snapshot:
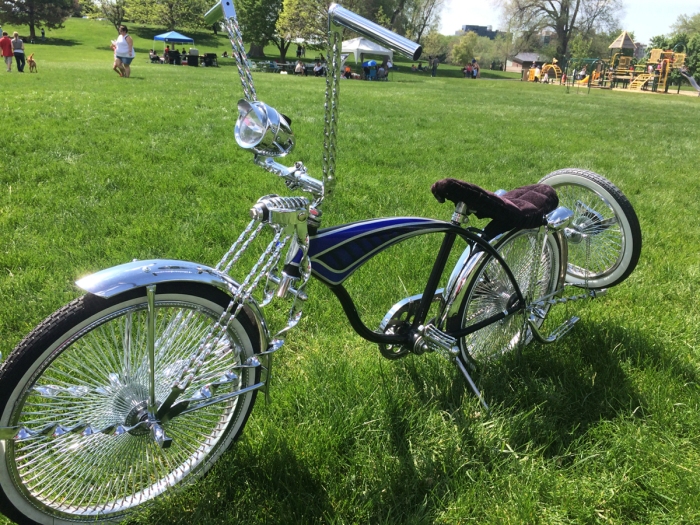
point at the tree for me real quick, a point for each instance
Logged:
(86, 8)
(114, 11)
(421, 17)
(437, 45)
(692, 60)
(565, 17)
(658, 42)
(580, 47)
(503, 46)
(258, 20)
(463, 51)
(306, 20)
(689, 25)
(170, 14)
(37, 13)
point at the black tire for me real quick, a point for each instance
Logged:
(75, 368)
(605, 249)
(490, 291)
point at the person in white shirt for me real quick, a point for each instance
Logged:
(123, 52)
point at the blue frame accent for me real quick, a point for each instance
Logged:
(338, 251)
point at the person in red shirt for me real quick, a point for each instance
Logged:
(7, 54)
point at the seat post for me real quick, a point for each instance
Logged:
(460, 215)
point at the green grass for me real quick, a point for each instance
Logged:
(601, 427)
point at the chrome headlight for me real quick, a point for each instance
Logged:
(263, 129)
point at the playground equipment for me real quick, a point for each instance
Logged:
(653, 73)
(587, 72)
(552, 69)
(684, 72)
(656, 70)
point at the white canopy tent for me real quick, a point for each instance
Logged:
(359, 46)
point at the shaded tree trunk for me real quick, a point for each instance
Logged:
(256, 51)
(283, 46)
(397, 12)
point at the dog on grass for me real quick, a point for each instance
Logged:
(32, 63)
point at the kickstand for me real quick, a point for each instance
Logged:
(463, 369)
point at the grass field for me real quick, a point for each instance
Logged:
(602, 427)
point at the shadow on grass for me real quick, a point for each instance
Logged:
(552, 394)
(249, 485)
(555, 393)
(51, 42)
(544, 400)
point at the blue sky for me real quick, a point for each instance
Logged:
(646, 18)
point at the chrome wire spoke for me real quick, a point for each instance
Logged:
(100, 380)
(596, 220)
(493, 293)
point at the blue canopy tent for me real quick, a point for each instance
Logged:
(173, 37)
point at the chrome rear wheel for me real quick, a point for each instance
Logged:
(605, 239)
(490, 292)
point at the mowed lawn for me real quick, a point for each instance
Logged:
(602, 427)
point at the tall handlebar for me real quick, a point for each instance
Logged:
(343, 17)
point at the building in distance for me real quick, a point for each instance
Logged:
(486, 31)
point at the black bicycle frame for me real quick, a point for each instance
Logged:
(337, 252)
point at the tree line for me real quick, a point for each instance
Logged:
(561, 29)
(262, 21)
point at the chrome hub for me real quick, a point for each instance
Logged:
(138, 414)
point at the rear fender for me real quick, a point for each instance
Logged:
(137, 274)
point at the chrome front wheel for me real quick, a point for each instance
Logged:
(85, 368)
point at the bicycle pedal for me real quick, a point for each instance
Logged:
(565, 327)
(557, 333)
(434, 339)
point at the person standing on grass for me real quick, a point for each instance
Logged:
(124, 52)
(43, 34)
(18, 49)
(6, 47)
(435, 66)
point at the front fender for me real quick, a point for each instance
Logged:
(137, 274)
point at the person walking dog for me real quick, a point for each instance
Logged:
(18, 49)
